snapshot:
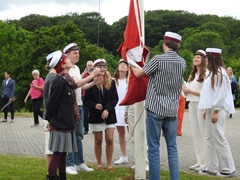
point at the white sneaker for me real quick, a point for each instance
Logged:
(83, 167)
(226, 175)
(71, 170)
(122, 160)
(193, 167)
(200, 168)
(203, 172)
(146, 168)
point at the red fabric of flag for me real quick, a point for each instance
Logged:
(137, 87)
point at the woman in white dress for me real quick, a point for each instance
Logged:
(121, 78)
(192, 92)
(217, 102)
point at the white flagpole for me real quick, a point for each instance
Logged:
(140, 151)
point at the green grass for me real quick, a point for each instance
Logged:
(30, 168)
(23, 114)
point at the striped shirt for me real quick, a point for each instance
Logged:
(165, 83)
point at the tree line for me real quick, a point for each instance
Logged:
(24, 43)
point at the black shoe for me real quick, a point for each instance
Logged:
(52, 177)
(230, 116)
(85, 132)
(62, 176)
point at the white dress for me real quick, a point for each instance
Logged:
(120, 110)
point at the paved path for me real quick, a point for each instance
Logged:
(20, 139)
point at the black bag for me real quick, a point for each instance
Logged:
(234, 87)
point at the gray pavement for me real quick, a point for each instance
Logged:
(20, 139)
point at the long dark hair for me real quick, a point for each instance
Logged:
(202, 74)
(116, 75)
(215, 63)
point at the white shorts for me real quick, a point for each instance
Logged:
(47, 134)
(101, 127)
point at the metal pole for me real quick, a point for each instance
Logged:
(99, 2)
(140, 129)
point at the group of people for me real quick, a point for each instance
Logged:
(210, 104)
(69, 98)
(64, 114)
(35, 91)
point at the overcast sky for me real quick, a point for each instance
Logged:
(113, 10)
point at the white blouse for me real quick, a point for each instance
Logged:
(195, 86)
(220, 97)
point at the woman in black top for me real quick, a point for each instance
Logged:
(62, 114)
(101, 100)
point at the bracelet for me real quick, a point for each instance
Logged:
(216, 110)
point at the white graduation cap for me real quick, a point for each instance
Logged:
(215, 51)
(172, 36)
(56, 58)
(70, 47)
(201, 53)
(50, 56)
(99, 61)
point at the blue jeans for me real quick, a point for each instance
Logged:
(77, 157)
(154, 124)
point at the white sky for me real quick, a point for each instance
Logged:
(113, 10)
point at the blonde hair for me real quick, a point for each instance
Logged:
(107, 81)
(229, 68)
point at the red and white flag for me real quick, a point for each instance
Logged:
(134, 51)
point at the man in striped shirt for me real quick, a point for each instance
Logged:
(165, 83)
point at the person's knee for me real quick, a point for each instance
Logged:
(109, 141)
(98, 141)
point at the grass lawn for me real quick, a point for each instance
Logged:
(30, 168)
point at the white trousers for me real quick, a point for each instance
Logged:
(218, 153)
(198, 131)
(137, 132)
(132, 128)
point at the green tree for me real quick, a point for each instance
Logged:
(116, 34)
(93, 25)
(188, 57)
(14, 47)
(32, 22)
(221, 29)
(203, 40)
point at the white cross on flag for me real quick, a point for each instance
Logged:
(134, 51)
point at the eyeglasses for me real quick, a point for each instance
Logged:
(34, 74)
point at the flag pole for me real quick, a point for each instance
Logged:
(140, 151)
(142, 19)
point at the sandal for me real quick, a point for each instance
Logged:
(110, 169)
(100, 168)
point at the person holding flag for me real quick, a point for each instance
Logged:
(163, 91)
